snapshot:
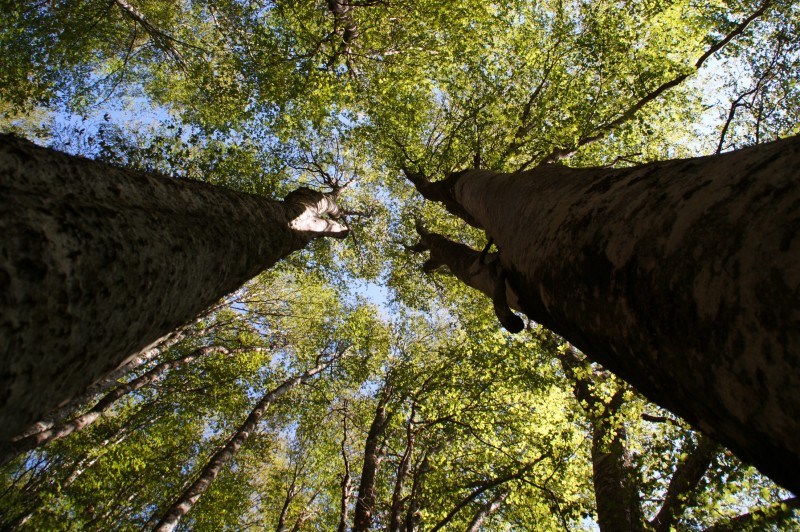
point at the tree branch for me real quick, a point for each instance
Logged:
(764, 516)
(186, 501)
(603, 130)
(684, 481)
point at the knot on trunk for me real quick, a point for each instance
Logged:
(316, 213)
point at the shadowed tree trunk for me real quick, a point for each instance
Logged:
(344, 502)
(614, 476)
(416, 499)
(687, 475)
(97, 263)
(403, 468)
(373, 455)
(680, 276)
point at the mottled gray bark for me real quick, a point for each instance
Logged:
(680, 276)
(97, 263)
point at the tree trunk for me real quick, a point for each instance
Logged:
(416, 499)
(613, 473)
(680, 276)
(398, 501)
(192, 494)
(344, 502)
(10, 450)
(365, 503)
(616, 494)
(98, 262)
(491, 506)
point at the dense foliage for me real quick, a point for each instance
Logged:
(427, 415)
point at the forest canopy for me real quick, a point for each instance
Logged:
(354, 385)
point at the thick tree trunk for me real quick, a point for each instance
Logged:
(97, 263)
(616, 496)
(681, 276)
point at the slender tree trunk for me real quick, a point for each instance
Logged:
(13, 449)
(192, 494)
(780, 512)
(344, 502)
(491, 506)
(680, 276)
(84, 463)
(365, 503)
(416, 500)
(98, 262)
(306, 514)
(398, 501)
(613, 473)
(480, 490)
(290, 495)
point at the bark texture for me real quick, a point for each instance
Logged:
(680, 276)
(97, 263)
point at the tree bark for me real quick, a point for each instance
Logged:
(192, 494)
(416, 499)
(680, 276)
(398, 501)
(615, 489)
(365, 502)
(10, 450)
(98, 262)
(344, 502)
(614, 476)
